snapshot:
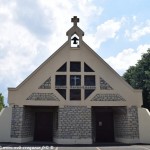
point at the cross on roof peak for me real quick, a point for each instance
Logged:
(75, 20)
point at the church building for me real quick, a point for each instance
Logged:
(74, 97)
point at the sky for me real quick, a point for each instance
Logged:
(31, 31)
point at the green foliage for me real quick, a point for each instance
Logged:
(138, 77)
(1, 101)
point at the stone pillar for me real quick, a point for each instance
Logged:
(21, 124)
(74, 125)
(126, 126)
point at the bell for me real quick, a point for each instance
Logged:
(75, 40)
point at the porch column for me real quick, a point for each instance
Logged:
(126, 125)
(74, 125)
(21, 125)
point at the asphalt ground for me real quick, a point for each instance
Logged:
(52, 146)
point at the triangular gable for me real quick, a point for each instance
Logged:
(108, 85)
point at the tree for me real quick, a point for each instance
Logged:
(1, 101)
(138, 77)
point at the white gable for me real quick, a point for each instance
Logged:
(107, 87)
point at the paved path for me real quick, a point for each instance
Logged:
(135, 147)
(33, 147)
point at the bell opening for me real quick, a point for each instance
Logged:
(75, 41)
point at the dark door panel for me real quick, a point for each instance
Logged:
(43, 126)
(104, 127)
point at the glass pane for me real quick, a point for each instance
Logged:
(75, 94)
(87, 68)
(62, 92)
(75, 66)
(87, 93)
(60, 80)
(75, 80)
(63, 68)
(89, 80)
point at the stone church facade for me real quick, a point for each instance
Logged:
(74, 97)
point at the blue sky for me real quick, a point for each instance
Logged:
(30, 31)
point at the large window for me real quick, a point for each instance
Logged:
(75, 94)
(88, 92)
(75, 80)
(75, 66)
(89, 80)
(60, 80)
(77, 83)
(62, 92)
(63, 68)
(87, 68)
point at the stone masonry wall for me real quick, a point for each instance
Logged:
(74, 122)
(126, 123)
(22, 122)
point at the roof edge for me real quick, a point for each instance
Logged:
(38, 68)
(104, 62)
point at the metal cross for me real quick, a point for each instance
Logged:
(75, 20)
(75, 80)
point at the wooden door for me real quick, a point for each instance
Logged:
(104, 127)
(43, 126)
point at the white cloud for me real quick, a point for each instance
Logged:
(128, 57)
(32, 30)
(63, 11)
(138, 31)
(6, 10)
(18, 49)
(134, 18)
(104, 31)
(20, 44)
